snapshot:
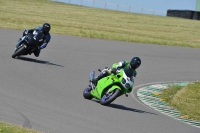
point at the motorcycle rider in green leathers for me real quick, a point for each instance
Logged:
(133, 65)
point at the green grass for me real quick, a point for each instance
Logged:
(185, 99)
(10, 128)
(99, 23)
(168, 94)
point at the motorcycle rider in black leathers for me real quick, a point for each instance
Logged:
(45, 28)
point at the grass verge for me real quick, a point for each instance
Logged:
(10, 128)
(99, 23)
(185, 99)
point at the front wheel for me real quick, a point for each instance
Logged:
(19, 51)
(86, 93)
(110, 97)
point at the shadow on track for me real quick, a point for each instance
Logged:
(37, 61)
(117, 106)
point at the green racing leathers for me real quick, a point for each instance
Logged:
(107, 71)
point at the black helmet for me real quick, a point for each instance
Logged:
(135, 63)
(46, 27)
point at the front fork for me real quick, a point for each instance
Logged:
(20, 41)
(92, 85)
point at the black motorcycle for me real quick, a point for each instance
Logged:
(29, 43)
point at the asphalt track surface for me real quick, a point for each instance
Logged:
(45, 93)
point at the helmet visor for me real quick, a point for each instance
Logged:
(45, 30)
(134, 66)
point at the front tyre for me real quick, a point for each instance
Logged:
(86, 93)
(110, 97)
(19, 51)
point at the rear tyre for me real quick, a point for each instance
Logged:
(20, 51)
(86, 93)
(110, 97)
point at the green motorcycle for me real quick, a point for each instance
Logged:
(110, 87)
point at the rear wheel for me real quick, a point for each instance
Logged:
(86, 93)
(109, 97)
(19, 51)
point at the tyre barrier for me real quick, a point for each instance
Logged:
(188, 14)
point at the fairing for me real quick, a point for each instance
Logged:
(113, 82)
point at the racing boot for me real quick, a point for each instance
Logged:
(37, 52)
(104, 73)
